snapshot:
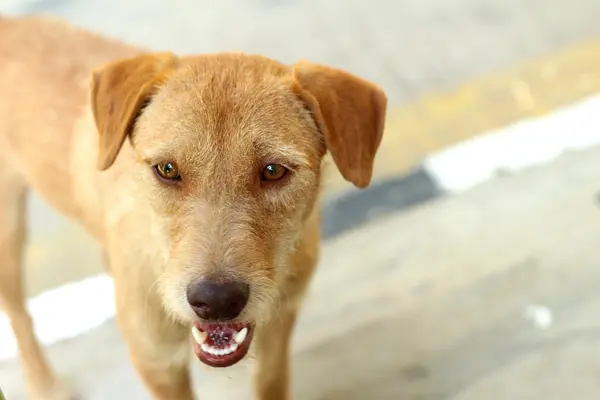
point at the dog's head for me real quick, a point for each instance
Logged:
(229, 152)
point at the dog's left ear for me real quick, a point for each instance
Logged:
(119, 91)
(350, 113)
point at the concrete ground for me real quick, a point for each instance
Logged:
(491, 294)
(487, 295)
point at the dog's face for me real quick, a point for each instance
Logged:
(229, 151)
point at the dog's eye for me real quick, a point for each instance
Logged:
(167, 171)
(273, 172)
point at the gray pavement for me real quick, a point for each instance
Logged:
(492, 294)
(455, 277)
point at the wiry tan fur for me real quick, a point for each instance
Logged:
(82, 121)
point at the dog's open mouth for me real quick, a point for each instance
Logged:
(221, 344)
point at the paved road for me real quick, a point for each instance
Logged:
(538, 247)
(492, 294)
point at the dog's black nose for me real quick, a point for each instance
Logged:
(218, 300)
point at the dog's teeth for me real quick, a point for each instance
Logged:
(229, 349)
(199, 337)
(240, 336)
(218, 352)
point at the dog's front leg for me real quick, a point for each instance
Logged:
(164, 379)
(159, 349)
(271, 380)
(272, 377)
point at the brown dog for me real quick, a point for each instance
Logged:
(199, 176)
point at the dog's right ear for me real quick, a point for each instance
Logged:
(349, 111)
(119, 91)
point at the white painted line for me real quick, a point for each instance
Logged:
(515, 147)
(64, 312)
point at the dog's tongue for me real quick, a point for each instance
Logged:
(220, 336)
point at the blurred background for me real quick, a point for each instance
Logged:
(468, 271)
